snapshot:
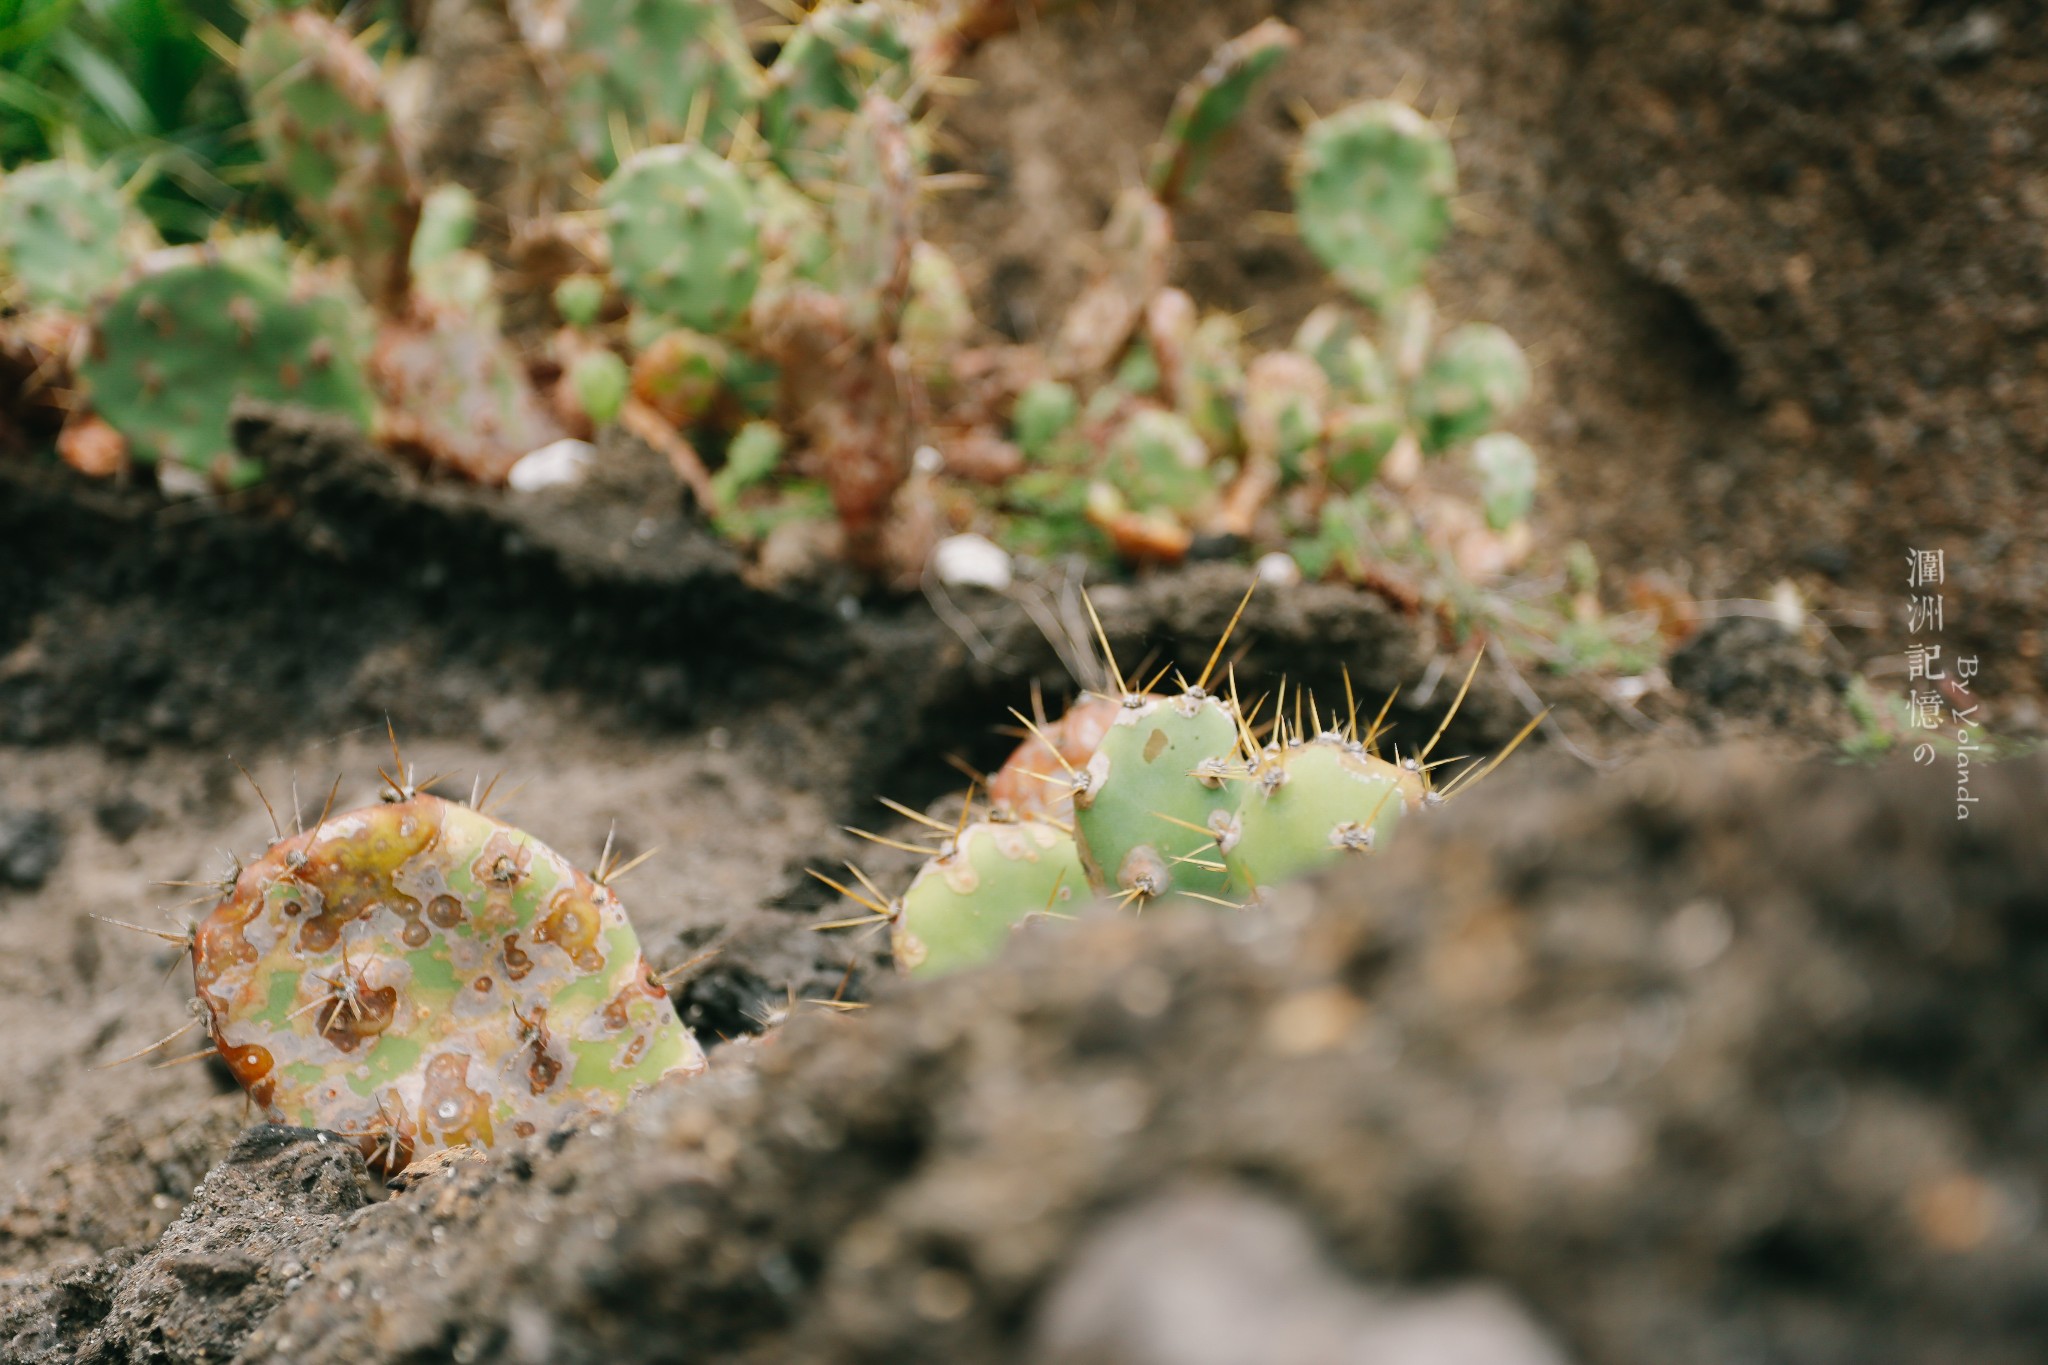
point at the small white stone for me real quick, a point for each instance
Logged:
(561, 464)
(1278, 570)
(181, 481)
(927, 460)
(971, 561)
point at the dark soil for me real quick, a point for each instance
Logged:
(1780, 263)
(1721, 1059)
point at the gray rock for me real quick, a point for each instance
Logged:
(1217, 1275)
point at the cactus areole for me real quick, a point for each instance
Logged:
(418, 976)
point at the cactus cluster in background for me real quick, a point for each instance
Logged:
(740, 279)
(418, 975)
(1133, 798)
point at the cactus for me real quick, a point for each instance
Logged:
(175, 350)
(1170, 798)
(751, 457)
(671, 70)
(1210, 382)
(965, 901)
(1285, 394)
(1208, 105)
(1372, 189)
(1309, 803)
(937, 318)
(1044, 413)
(457, 396)
(1034, 781)
(1155, 791)
(62, 227)
(1477, 376)
(1353, 365)
(1157, 460)
(796, 239)
(578, 299)
(835, 58)
(330, 142)
(680, 375)
(845, 383)
(683, 228)
(1356, 439)
(1507, 478)
(600, 382)
(874, 220)
(419, 975)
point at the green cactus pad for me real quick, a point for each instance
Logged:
(1043, 414)
(61, 228)
(1163, 765)
(173, 352)
(578, 299)
(1356, 438)
(1477, 376)
(1157, 460)
(1310, 804)
(329, 141)
(1372, 192)
(600, 381)
(962, 905)
(1507, 478)
(1209, 104)
(419, 976)
(836, 56)
(684, 236)
(752, 455)
(457, 395)
(654, 64)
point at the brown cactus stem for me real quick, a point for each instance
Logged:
(970, 23)
(650, 426)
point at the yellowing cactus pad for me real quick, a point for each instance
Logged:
(418, 975)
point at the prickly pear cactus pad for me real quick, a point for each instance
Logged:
(60, 233)
(1158, 790)
(838, 54)
(672, 69)
(1372, 190)
(330, 141)
(418, 975)
(963, 903)
(1309, 803)
(684, 234)
(1212, 102)
(171, 353)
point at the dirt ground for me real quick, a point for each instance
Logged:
(1779, 263)
(1676, 1043)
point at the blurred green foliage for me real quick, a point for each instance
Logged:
(146, 88)
(137, 85)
